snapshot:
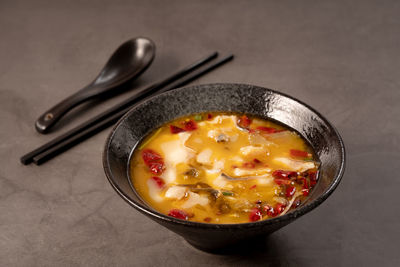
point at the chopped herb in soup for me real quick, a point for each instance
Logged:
(223, 168)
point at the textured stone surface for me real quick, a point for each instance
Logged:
(341, 57)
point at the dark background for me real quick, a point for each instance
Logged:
(341, 57)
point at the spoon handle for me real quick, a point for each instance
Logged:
(51, 116)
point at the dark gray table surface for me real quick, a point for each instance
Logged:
(341, 57)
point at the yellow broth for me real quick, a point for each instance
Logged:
(223, 168)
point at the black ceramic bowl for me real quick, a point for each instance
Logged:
(266, 103)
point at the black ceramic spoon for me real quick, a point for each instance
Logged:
(129, 61)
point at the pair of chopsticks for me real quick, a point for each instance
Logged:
(111, 116)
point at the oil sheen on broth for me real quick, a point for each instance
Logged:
(223, 168)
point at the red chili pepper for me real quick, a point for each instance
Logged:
(190, 125)
(313, 177)
(290, 190)
(268, 129)
(279, 208)
(280, 181)
(299, 153)
(274, 211)
(174, 129)
(249, 165)
(306, 192)
(284, 174)
(153, 160)
(207, 219)
(150, 156)
(159, 181)
(256, 161)
(244, 121)
(156, 167)
(180, 214)
(253, 186)
(269, 210)
(255, 215)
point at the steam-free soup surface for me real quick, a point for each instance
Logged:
(223, 168)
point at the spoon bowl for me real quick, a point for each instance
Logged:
(129, 61)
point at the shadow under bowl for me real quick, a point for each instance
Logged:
(262, 102)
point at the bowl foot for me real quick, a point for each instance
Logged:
(247, 246)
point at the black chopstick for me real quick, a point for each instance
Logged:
(109, 117)
(90, 131)
(28, 158)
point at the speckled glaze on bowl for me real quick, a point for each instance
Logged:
(263, 102)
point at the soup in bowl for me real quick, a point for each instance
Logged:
(223, 168)
(220, 164)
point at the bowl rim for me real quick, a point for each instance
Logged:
(279, 219)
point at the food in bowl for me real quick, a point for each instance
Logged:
(223, 168)
(129, 134)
